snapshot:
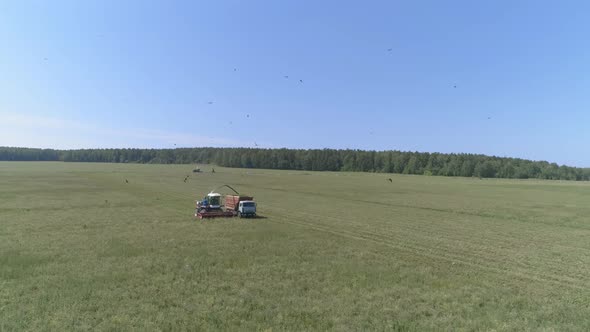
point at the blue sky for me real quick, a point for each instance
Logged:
(83, 74)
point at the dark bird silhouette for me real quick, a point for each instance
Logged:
(235, 69)
(389, 49)
(210, 103)
(126, 181)
(230, 122)
(247, 115)
(255, 144)
(286, 76)
(300, 81)
(454, 86)
(390, 180)
(45, 59)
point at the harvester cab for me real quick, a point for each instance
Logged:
(211, 202)
(214, 201)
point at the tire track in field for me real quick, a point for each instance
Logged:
(425, 208)
(473, 248)
(483, 254)
(450, 257)
(497, 240)
(450, 230)
(523, 226)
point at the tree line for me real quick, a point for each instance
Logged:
(424, 163)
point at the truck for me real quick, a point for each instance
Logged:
(244, 206)
(235, 205)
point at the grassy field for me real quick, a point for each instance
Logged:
(80, 249)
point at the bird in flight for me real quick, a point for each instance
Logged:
(247, 115)
(489, 117)
(255, 144)
(286, 76)
(389, 49)
(300, 81)
(210, 103)
(454, 86)
(235, 69)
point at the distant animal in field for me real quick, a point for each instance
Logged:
(126, 181)
(390, 180)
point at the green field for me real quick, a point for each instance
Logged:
(80, 249)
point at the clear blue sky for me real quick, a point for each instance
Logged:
(142, 73)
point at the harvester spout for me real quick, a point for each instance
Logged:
(225, 185)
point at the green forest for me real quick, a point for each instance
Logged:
(423, 163)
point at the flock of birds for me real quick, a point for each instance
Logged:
(106, 201)
(301, 81)
(248, 115)
(212, 171)
(185, 181)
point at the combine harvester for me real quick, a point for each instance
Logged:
(235, 205)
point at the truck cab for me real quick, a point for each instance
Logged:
(247, 209)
